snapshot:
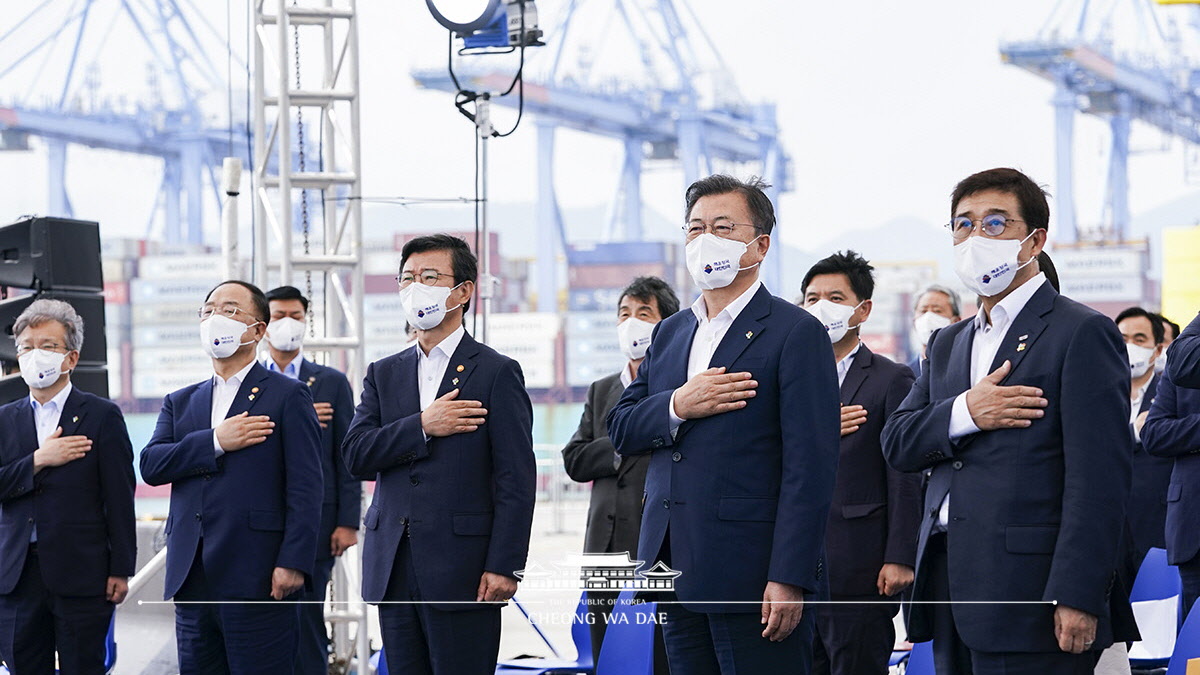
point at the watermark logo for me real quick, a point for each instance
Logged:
(598, 572)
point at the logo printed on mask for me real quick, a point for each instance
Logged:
(708, 269)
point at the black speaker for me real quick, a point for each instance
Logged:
(89, 307)
(51, 253)
(91, 380)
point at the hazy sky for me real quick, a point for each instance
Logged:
(883, 106)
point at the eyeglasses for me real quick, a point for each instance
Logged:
(224, 310)
(427, 277)
(25, 349)
(721, 228)
(992, 226)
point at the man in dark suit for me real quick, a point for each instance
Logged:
(446, 428)
(1173, 430)
(737, 404)
(67, 539)
(1147, 515)
(615, 512)
(341, 506)
(241, 452)
(871, 538)
(1023, 415)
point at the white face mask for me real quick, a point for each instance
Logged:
(634, 337)
(713, 261)
(286, 334)
(41, 368)
(1139, 359)
(924, 325)
(986, 265)
(425, 306)
(1160, 364)
(835, 317)
(220, 336)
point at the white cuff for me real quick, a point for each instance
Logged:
(675, 419)
(961, 423)
(217, 449)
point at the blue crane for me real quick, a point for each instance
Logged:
(663, 115)
(1112, 59)
(176, 125)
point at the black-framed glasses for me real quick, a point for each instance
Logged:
(992, 225)
(721, 228)
(427, 277)
(25, 349)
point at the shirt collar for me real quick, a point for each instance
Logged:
(700, 307)
(1011, 305)
(626, 376)
(237, 379)
(849, 358)
(59, 400)
(292, 369)
(447, 346)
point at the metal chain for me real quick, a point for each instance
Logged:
(308, 286)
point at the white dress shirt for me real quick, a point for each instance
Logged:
(223, 393)
(626, 376)
(292, 369)
(709, 333)
(431, 367)
(843, 366)
(45, 421)
(1135, 405)
(984, 347)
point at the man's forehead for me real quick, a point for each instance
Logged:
(427, 260)
(988, 201)
(731, 205)
(828, 283)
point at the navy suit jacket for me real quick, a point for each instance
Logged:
(1036, 514)
(1148, 498)
(1184, 357)
(744, 494)
(83, 509)
(343, 492)
(466, 500)
(1173, 430)
(256, 508)
(876, 510)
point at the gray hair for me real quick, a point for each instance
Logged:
(955, 304)
(41, 311)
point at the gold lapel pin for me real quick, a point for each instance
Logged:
(1023, 337)
(454, 381)
(254, 390)
(311, 380)
(749, 334)
(251, 397)
(461, 368)
(75, 418)
(1021, 347)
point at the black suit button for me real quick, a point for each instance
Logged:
(933, 511)
(197, 516)
(414, 480)
(666, 503)
(621, 484)
(676, 456)
(31, 521)
(957, 464)
(609, 516)
(657, 442)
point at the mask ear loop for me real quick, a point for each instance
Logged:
(1031, 258)
(747, 248)
(451, 309)
(856, 326)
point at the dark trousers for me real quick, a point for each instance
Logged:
(34, 623)
(952, 657)
(1189, 574)
(600, 604)
(732, 644)
(232, 637)
(312, 651)
(854, 639)
(419, 639)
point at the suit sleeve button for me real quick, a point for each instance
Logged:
(676, 456)
(957, 464)
(666, 503)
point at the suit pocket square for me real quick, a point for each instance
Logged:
(761, 509)
(1030, 538)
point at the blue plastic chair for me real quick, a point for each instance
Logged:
(628, 647)
(1156, 590)
(379, 663)
(920, 660)
(1187, 645)
(899, 657)
(581, 664)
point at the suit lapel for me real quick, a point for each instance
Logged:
(857, 374)
(310, 376)
(744, 330)
(26, 429)
(249, 393)
(1026, 326)
(72, 413)
(200, 409)
(459, 368)
(958, 372)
